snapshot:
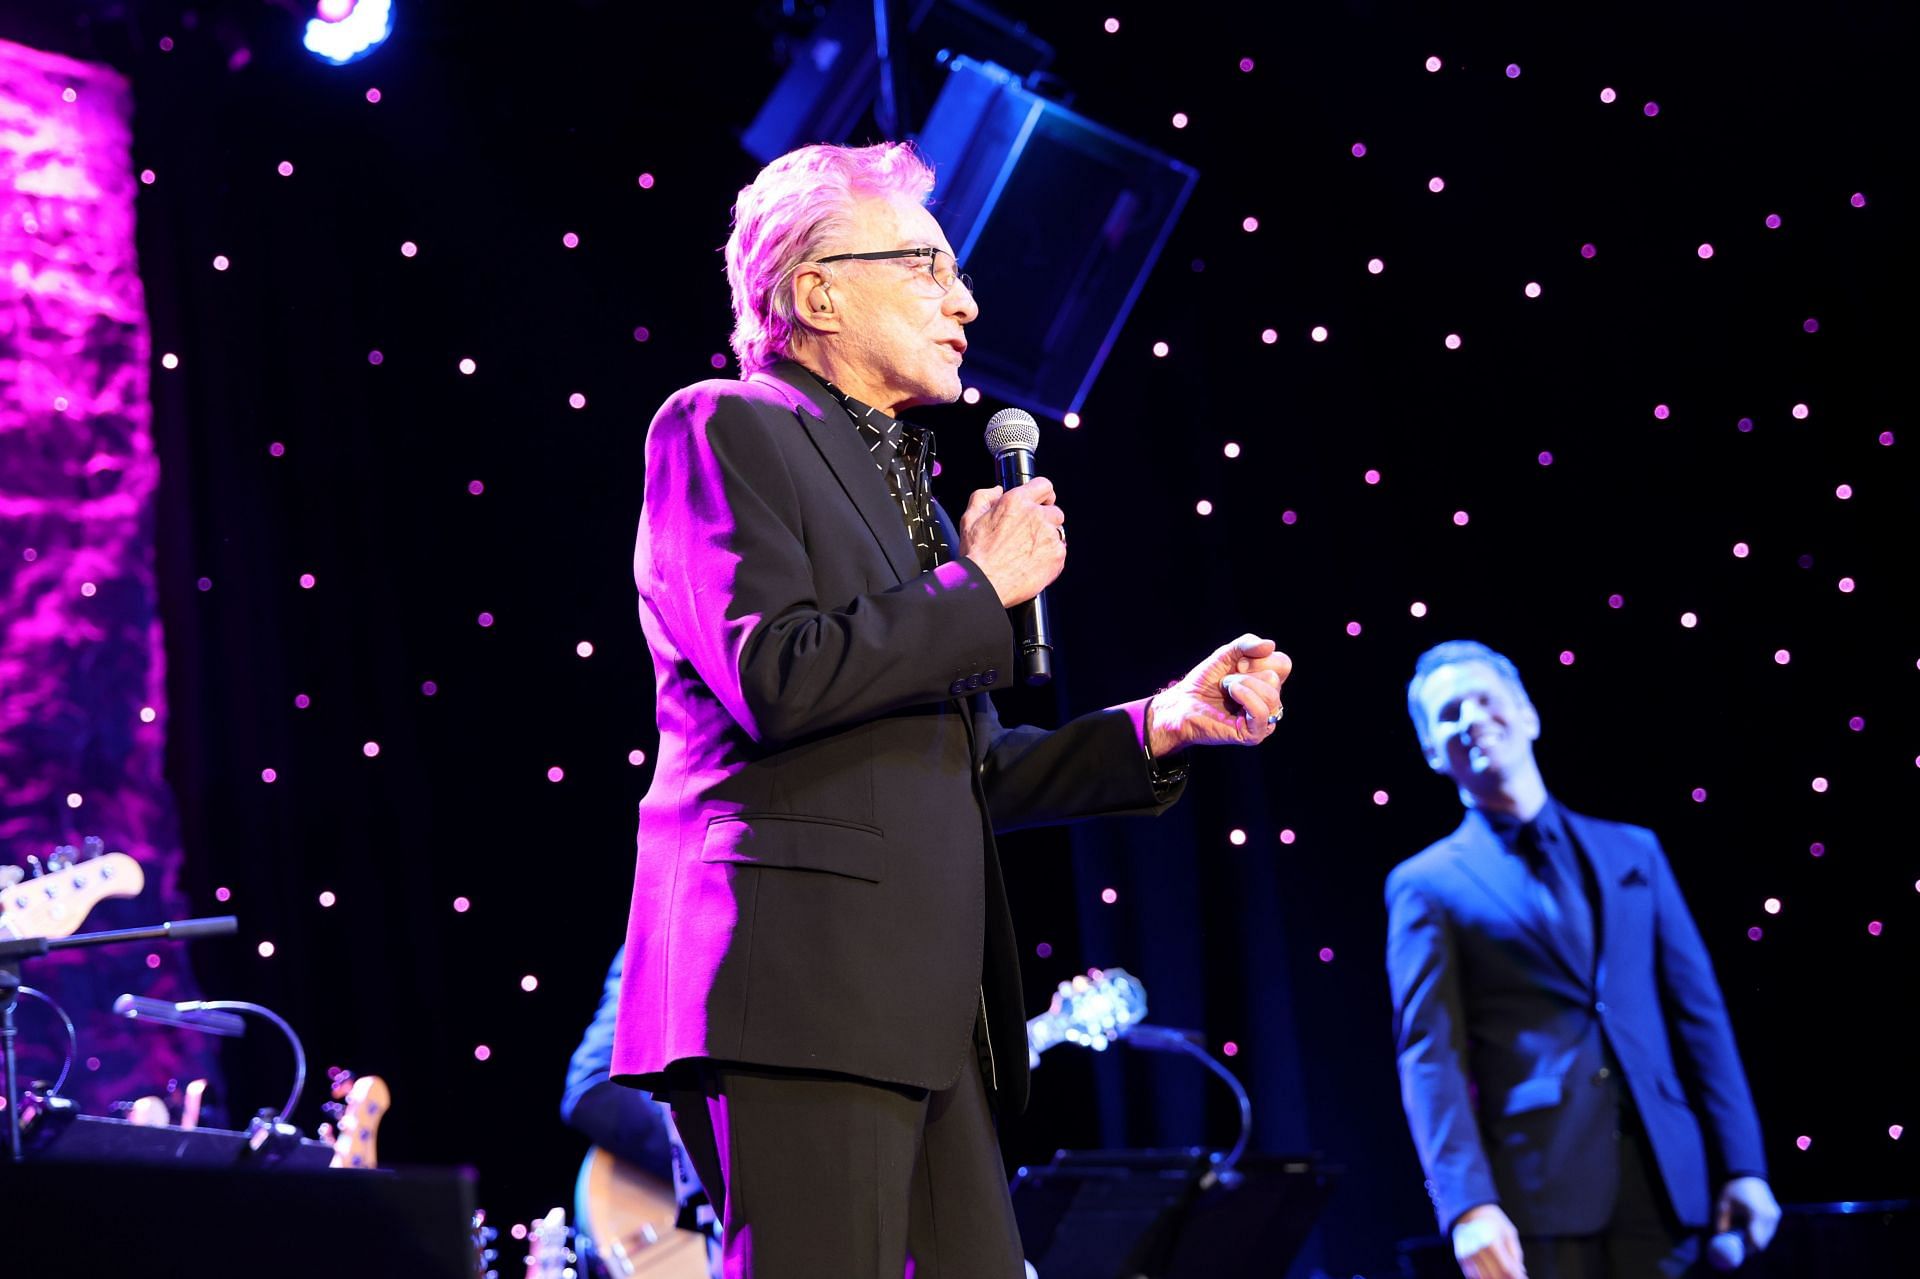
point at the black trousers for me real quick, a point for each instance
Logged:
(1643, 1241)
(828, 1177)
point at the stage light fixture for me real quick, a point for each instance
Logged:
(344, 31)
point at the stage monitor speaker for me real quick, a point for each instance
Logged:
(94, 1139)
(186, 1222)
(1059, 219)
(1122, 1214)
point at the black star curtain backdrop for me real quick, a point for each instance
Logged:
(1585, 335)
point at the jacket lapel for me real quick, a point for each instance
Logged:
(839, 445)
(1608, 867)
(1503, 877)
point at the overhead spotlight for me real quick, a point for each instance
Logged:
(343, 31)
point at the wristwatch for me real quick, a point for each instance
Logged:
(1163, 776)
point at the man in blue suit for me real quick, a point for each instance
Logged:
(1566, 1063)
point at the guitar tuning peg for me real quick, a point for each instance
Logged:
(94, 846)
(62, 857)
(34, 866)
(9, 876)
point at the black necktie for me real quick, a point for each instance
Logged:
(1560, 890)
(914, 461)
(904, 455)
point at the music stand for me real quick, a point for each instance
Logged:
(1116, 1214)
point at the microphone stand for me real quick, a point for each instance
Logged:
(15, 950)
(215, 1017)
(1164, 1039)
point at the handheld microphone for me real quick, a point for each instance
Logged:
(189, 1016)
(1012, 437)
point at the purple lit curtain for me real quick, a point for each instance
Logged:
(83, 716)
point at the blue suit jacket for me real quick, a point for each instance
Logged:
(1512, 1060)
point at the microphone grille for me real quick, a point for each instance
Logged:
(1012, 429)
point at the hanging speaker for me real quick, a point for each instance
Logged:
(1057, 218)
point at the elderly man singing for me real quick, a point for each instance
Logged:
(821, 972)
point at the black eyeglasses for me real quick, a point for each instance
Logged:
(940, 264)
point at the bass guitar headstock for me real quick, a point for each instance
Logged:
(54, 900)
(484, 1253)
(550, 1253)
(357, 1108)
(1092, 1010)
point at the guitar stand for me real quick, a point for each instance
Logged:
(13, 951)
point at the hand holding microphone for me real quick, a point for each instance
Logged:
(1016, 534)
(1744, 1219)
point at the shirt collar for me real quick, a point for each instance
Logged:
(1507, 827)
(858, 410)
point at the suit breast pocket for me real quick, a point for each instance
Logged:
(1530, 1095)
(791, 841)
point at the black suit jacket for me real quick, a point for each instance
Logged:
(817, 885)
(1511, 1057)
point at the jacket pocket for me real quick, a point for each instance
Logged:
(1532, 1094)
(794, 841)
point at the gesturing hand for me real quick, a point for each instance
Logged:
(1486, 1244)
(1017, 538)
(1747, 1204)
(1231, 699)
